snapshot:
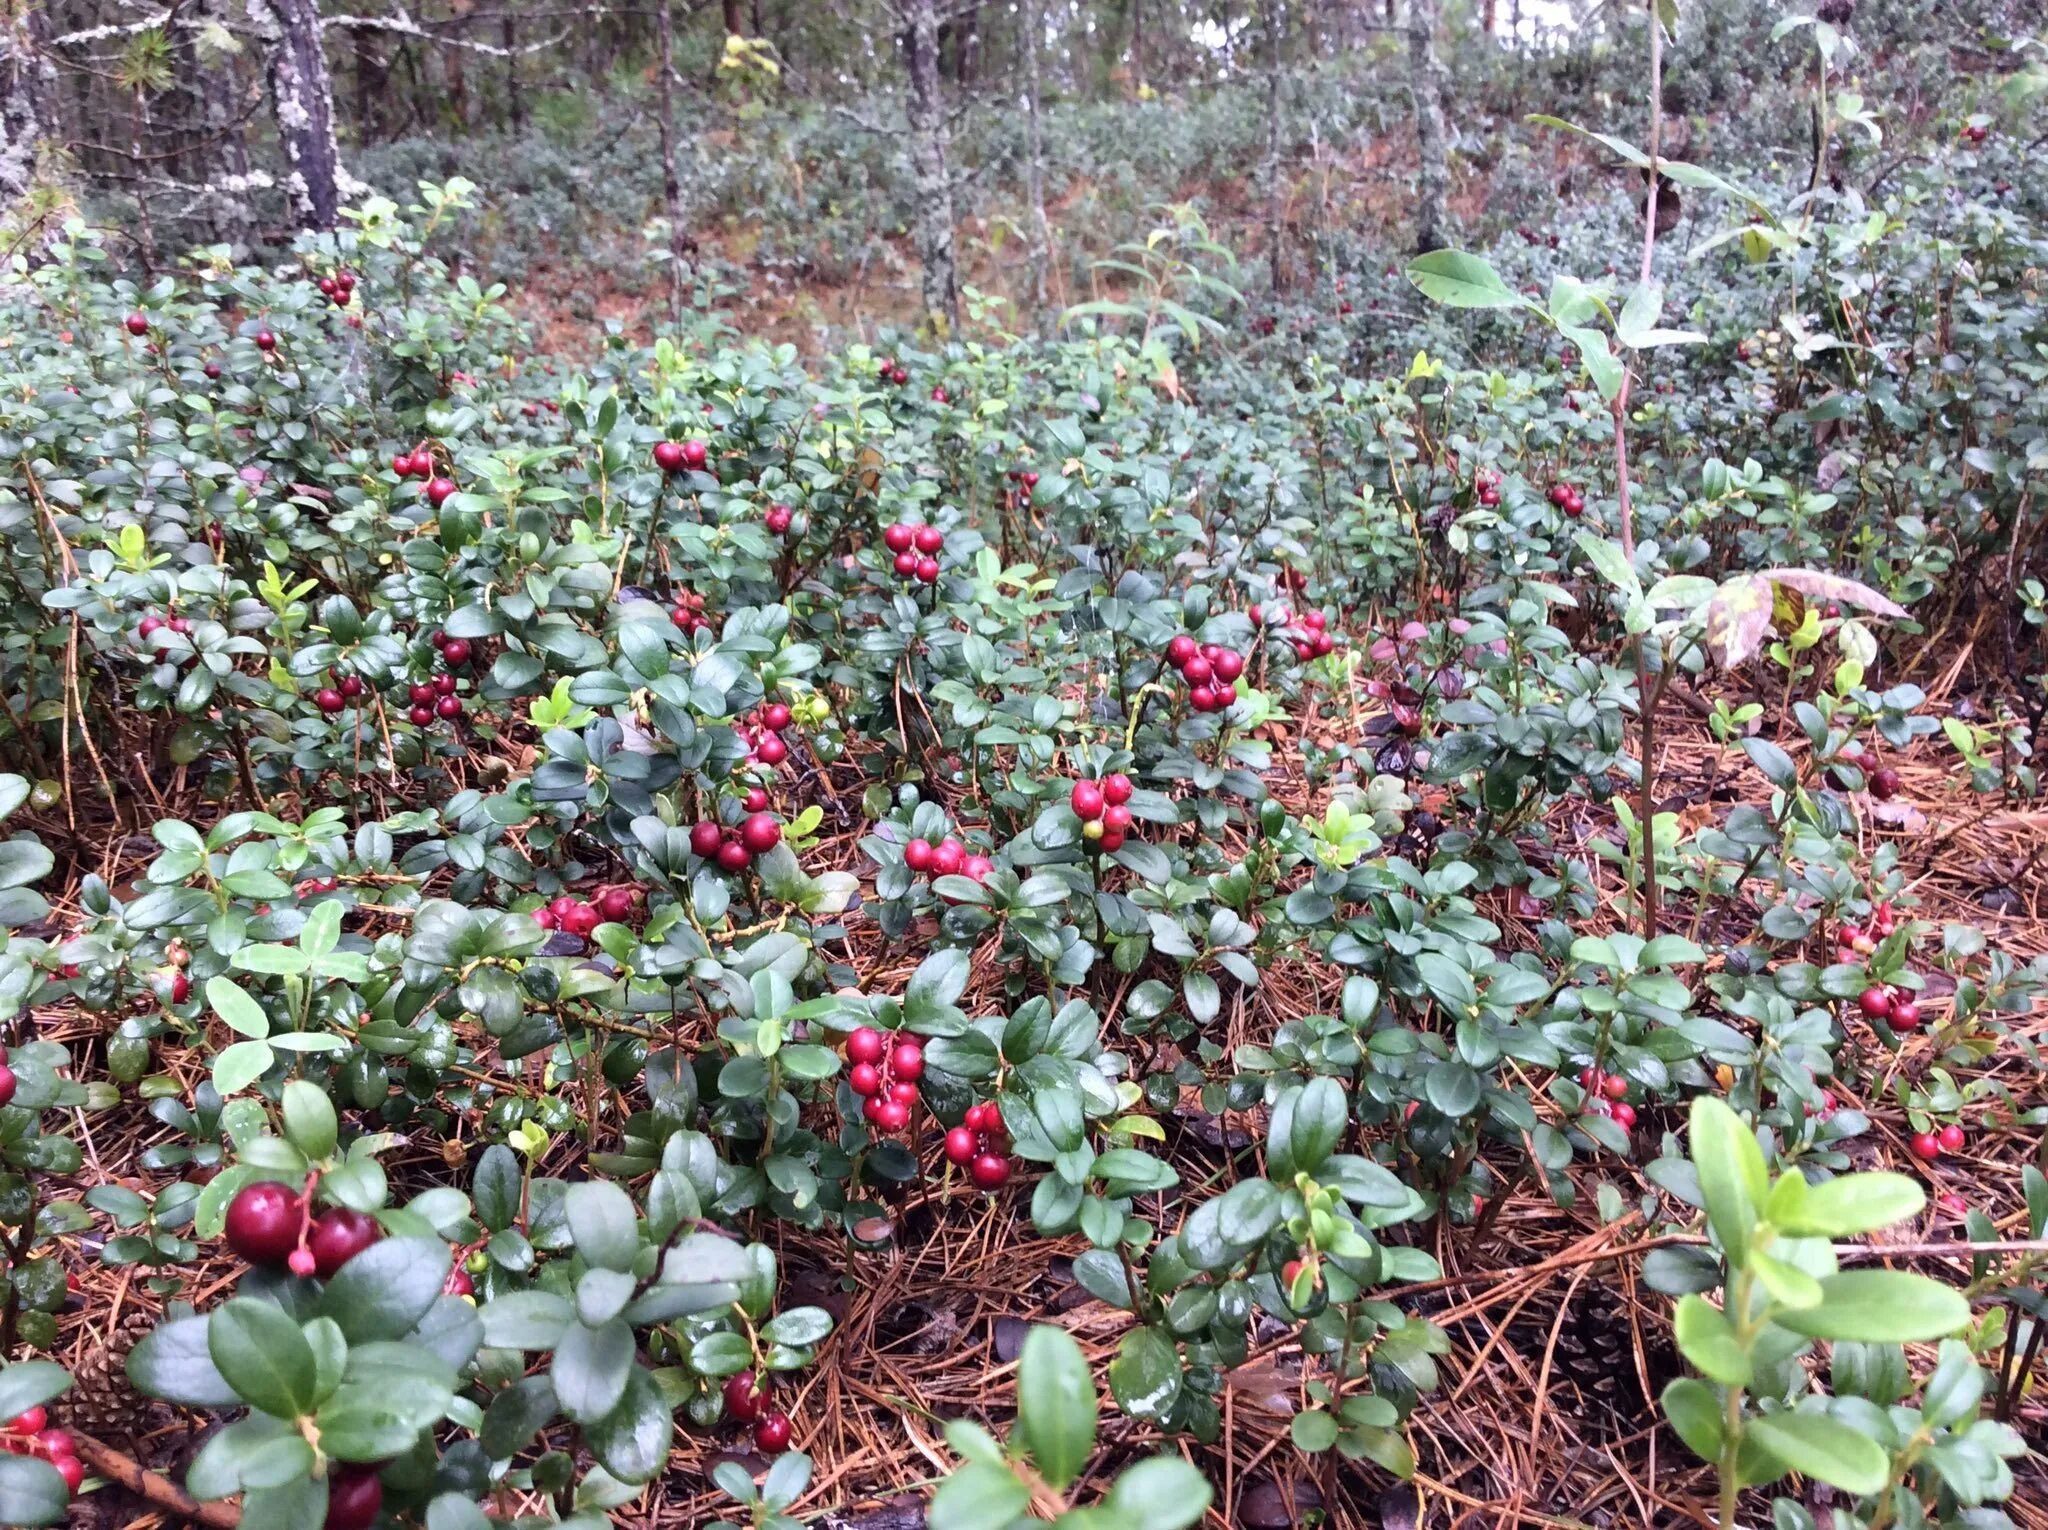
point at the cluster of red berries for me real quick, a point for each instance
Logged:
(1567, 499)
(1853, 942)
(735, 849)
(1311, 635)
(1487, 483)
(689, 612)
(778, 518)
(270, 1226)
(1102, 807)
(747, 1402)
(1023, 477)
(1210, 669)
(681, 456)
(339, 287)
(152, 624)
(886, 370)
(916, 549)
(947, 858)
(762, 733)
(1928, 1146)
(334, 699)
(1607, 1095)
(979, 1146)
(30, 1435)
(884, 1075)
(1894, 1006)
(611, 905)
(429, 699)
(419, 463)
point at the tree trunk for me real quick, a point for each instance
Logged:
(966, 44)
(1138, 46)
(303, 97)
(1041, 229)
(671, 182)
(932, 188)
(508, 39)
(1425, 79)
(368, 79)
(1490, 17)
(22, 80)
(1276, 22)
(732, 19)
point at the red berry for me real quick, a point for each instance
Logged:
(668, 456)
(1228, 665)
(1952, 1138)
(772, 1433)
(440, 491)
(1884, 783)
(705, 839)
(866, 1045)
(1112, 841)
(7, 1085)
(138, 324)
(1614, 1086)
(760, 833)
(263, 1223)
(329, 700)
(927, 571)
(928, 539)
(449, 707)
(354, 1498)
(1905, 1016)
(1179, 649)
(906, 564)
(338, 1236)
(181, 988)
(1925, 1146)
(455, 652)
(1116, 788)
(864, 1079)
(947, 857)
(1202, 698)
(265, 340)
(771, 750)
(72, 1470)
(351, 687)
(990, 1171)
(1624, 1115)
(149, 626)
(581, 919)
(745, 1398)
(420, 693)
(892, 1115)
(444, 685)
(458, 1283)
(907, 1060)
(903, 1091)
(1197, 670)
(421, 715)
(917, 855)
(775, 717)
(1876, 1002)
(1116, 819)
(734, 856)
(29, 1422)
(1086, 799)
(899, 538)
(544, 917)
(695, 454)
(756, 800)
(976, 867)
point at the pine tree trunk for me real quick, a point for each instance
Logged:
(1041, 229)
(932, 189)
(732, 19)
(1425, 78)
(671, 182)
(1276, 21)
(508, 39)
(303, 97)
(22, 79)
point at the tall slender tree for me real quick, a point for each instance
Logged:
(302, 95)
(21, 101)
(931, 183)
(1041, 228)
(1276, 22)
(671, 180)
(1425, 81)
